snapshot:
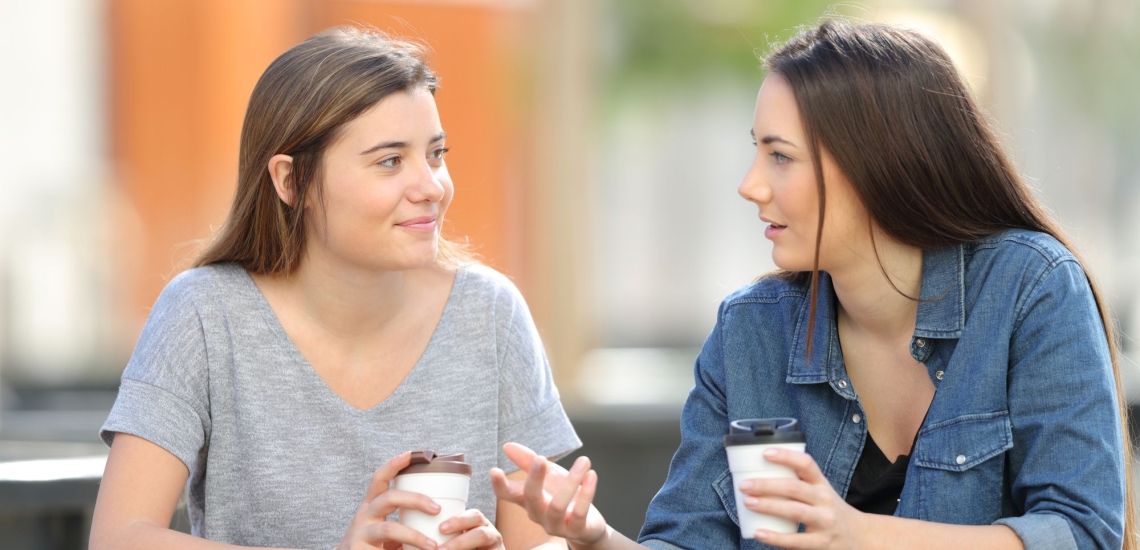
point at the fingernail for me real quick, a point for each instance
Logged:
(747, 485)
(769, 453)
(761, 534)
(751, 501)
(444, 526)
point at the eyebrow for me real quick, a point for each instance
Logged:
(400, 144)
(771, 139)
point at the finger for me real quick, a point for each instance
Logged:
(469, 519)
(484, 536)
(791, 510)
(388, 531)
(390, 501)
(535, 497)
(560, 500)
(384, 474)
(793, 489)
(505, 489)
(584, 500)
(801, 463)
(522, 456)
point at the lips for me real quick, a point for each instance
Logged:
(418, 221)
(423, 224)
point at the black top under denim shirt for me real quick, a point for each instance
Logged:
(877, 482)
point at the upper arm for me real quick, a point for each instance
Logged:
(691, 508)
(518, 531)
(1067, 463)
(530, 411)
(141, 483)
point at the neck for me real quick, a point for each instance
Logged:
(348, 301)
(874, 303)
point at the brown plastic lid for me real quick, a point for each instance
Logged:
(425, 462)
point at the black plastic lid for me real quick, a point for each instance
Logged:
(763, 431)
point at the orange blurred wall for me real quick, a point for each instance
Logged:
(182, 72)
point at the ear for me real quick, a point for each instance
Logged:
(281, 171)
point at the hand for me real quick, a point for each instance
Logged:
(556, 499)
(477, 532)
(831, 523)
(370, 529)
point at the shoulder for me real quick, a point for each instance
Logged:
(1020, 246)
(777, 288)
(482, 283)
(197, 294)
(1018, 267)
(199, 282)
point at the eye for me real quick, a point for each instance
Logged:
(391, 162)
(438, 154)
(780, 157)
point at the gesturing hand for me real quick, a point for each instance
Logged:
(557, 499)
(831, 523)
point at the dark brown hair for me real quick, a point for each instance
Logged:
(297, 108)
(902, 126)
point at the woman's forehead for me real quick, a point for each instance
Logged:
(776, 110)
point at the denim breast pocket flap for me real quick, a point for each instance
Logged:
(961, 443)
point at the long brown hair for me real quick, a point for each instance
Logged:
(936, 175)
(297, 108)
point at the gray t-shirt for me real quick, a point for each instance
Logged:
(276, 458)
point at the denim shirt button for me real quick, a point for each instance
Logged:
(857, 419)
(920, 342)
(842, 384)
(939, 374)
(960, 460)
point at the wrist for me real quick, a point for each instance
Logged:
(864, 526)
(600, 544)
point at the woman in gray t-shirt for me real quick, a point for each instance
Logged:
(326, 331)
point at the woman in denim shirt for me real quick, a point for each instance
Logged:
(932, 322)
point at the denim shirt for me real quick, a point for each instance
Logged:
(1024, 429)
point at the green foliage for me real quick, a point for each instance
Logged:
(675, 42)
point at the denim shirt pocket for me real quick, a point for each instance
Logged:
(727, 493)
(960, 473)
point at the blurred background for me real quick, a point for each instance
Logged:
(597, 146)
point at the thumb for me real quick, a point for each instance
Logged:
(384, 474)
(505, 489)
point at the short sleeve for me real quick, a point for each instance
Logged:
(530, 411)
(163, 396)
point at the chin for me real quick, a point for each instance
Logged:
(786, 263)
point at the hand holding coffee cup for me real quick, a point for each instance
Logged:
(745, 445)
(370, 527)
(445, 479)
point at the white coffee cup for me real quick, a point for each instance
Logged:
(445, 479)
(745, 445)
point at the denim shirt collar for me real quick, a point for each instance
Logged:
(941, 314)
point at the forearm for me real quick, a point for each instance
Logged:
(144, 535)
(612, 540)
(892, 533)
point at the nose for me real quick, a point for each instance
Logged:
(427, 184)
(754, 187)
